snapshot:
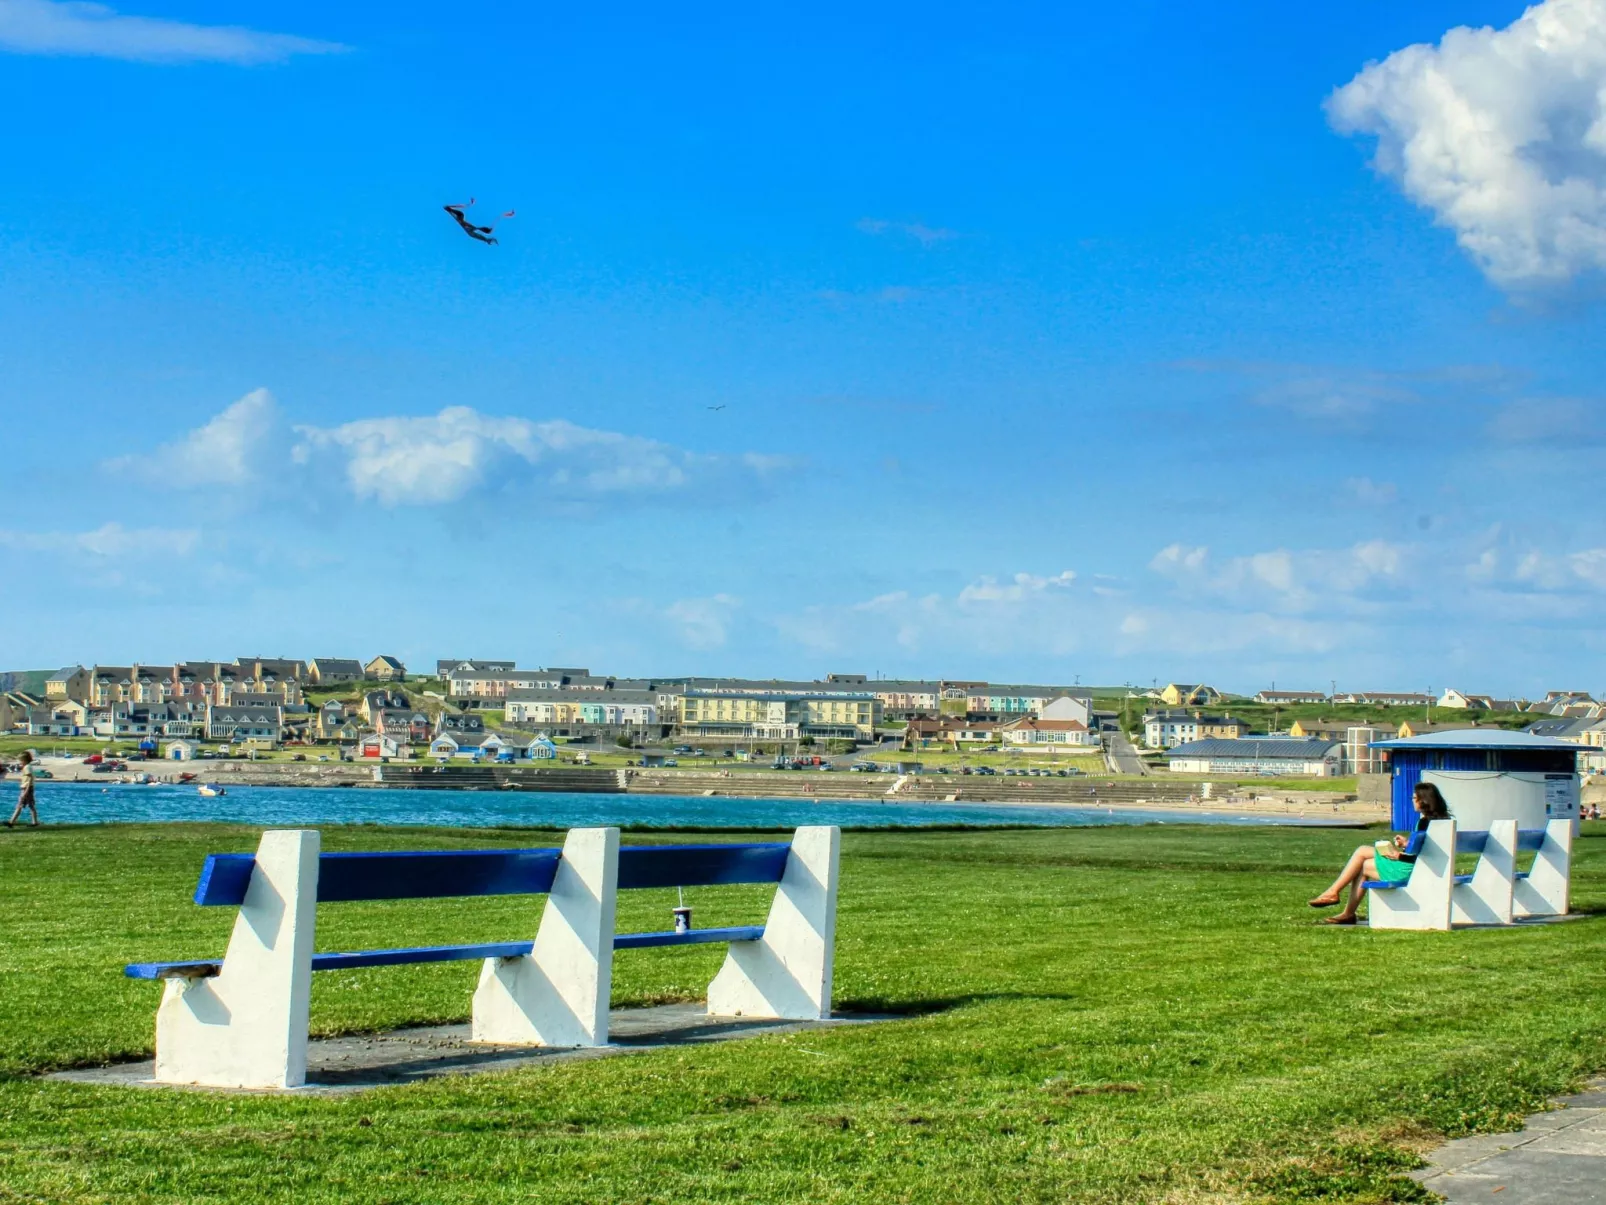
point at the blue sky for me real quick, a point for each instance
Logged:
(1245, 344)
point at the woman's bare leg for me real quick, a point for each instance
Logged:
(1352, 869)
(1357, 890)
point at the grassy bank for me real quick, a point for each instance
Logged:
(1090, 1015)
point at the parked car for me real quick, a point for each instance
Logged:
(669, 761)
(825, 765)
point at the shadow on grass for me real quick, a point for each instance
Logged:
(943, 1004)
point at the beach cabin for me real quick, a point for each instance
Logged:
(181, 750)
(542, 749)
(1485, 774)
(465, 745)
(503, 747)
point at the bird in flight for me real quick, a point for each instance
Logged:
(721, 406)
(482, 233)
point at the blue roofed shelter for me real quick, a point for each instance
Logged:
(1516, 774)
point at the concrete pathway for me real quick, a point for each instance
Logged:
(353, 1064)
(1559, 1159)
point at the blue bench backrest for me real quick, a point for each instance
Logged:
(1529, 839)
(700, 865)
(412, 875)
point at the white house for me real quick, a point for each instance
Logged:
(1164, 729)
(1068, 707)
(1049, 736)
(181, 750)
(1290, 696)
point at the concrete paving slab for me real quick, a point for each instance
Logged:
(354, 1064)
(1558, 1158)
(1588, 1138)
(1526, 1177)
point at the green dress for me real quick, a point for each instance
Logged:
(1392, 870)
(1397, 870)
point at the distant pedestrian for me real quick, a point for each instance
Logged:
(25, 792)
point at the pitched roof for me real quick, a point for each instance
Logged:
(337, 665)
(1477, 738)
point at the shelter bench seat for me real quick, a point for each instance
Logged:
(1495, 893)
(242, 1021)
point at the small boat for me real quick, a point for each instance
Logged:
(209, 790)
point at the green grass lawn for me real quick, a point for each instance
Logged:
(1109, 1015)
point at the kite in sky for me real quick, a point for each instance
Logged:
(483, 233)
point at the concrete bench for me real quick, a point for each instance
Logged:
(1495, 893)
(242, 1022)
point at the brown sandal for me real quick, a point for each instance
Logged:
(1319, 902)
(1338, 920)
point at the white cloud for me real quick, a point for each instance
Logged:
(1538, 571)
(1023, 611)
(441, 458)
(1371, 493)
(1502, 135)
(68, 27)
(1289, 580)
(431, 460)
(1561, 421)
(1020, 588)
(703, 622)
(1336, 399)
(245, 442)
(107, 541)
(925, 235)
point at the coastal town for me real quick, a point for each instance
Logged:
(471, 710)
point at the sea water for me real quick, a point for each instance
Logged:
(279, 807)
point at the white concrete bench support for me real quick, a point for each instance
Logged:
(557, 995)
(1487, 899)
(1546, 889)
(246, 1027)
(787, 972)
(1423, 902)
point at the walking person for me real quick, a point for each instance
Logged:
(25, 792)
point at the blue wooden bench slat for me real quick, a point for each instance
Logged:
(403, 875)
(407, 874)
(692, 937)
(700, 865)
(346, 962)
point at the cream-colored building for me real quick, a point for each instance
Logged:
(763, 715)
(1189, 694)
(71, 682)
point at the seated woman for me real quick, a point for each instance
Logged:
(1386, 861)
